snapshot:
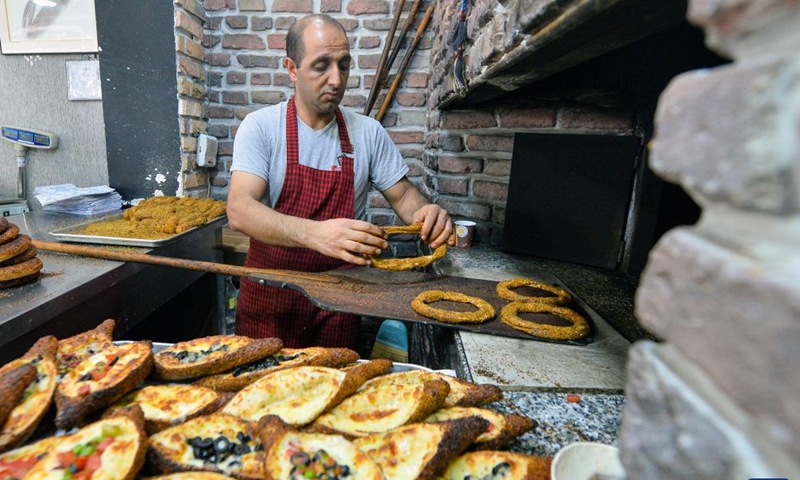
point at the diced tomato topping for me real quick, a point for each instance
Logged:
(65, 459)
(93, 462)
(84, 475)
(84, 390)
(101, 447)
(17, 468)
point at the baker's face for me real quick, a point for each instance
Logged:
(321, 77)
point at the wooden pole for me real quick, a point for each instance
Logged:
(381, 72)
(406, 60)
(397, 46)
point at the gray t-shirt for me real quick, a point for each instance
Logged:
(260, 149)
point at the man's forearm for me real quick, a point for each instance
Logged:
(266, 225)
(408, 204)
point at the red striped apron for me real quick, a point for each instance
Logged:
(266, 311)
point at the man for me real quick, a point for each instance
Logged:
(300, 178)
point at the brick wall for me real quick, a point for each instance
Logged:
(720, 399)
(245, 47)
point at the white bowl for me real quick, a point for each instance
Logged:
(580, 461)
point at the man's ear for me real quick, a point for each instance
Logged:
(291, 67)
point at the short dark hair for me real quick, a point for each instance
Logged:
(294, 39)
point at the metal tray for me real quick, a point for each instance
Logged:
(67, 234)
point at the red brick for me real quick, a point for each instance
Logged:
(284, 23)
(349, 24)
(243, 42)
(214, 5)
(236, 98)
(409, 99)
(242, 112)
(211, 40)
(236, 21)
(236, 78)
(365, 7)
(213, 96)
(456, 206)
(353, 81)
(219, 59)
(389, 120)
(490, 143)
(194, 180)
(368, 62)
(406, 137)
(467, 119)
(225, 148)
(282, 80)
(260, 23)
(220, 112)
(354, 101)
(451, 143)
(459, 164)
(416, 80)
(277, 41)
(191, 67)
(251, 61)
(369, 42)
(490, 190)
(378, 201)
(267, 97)
(528, 118)
(452, 185)
(497, 168)
(414, 169)
(252, 6)
(378, 24)
(219, 181)
(294, 6)
(595, 118)
(260, 79)
(330, 6)
(213, 23)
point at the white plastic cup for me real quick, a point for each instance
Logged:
(465, 230)
(584, 460)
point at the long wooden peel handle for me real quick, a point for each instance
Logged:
(396, 49)
(198, 265)
(406, 60)
(382, 70)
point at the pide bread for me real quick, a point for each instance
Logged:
(37, 397)
(16, 463)
(462, 393)
(100, 380)
(73, 350)
(420, 450)
(382, 409)
(13, 383)
(210, 355)
(289, 454)
(217, 442)
(113, 448)
(244, 375)
(300, 394)
(192, 476)
(493, 464)
(169, 405)
(501, 428)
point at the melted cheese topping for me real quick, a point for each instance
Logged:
(195, 476)
(170, 403)
(341, 450)
(173, 442)
(298, 395)
(117, 459)
(129, 357)
(402, 453)
(480, 465)
(374, 410)
(496, 420)
(35, 398)
(458, 388)
(201, 345)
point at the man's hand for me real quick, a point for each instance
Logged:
(436, 225)
(346, 239)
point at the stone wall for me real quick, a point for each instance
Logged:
(245, 47)
(721, 397)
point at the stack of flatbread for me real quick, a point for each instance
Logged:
(18, 262)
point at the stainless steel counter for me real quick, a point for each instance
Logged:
(77, 293)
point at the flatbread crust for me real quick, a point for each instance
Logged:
(299, 395)
(192, 476)
(462, 393)
(123, 458)
(165, 406)
(37, 397)
(16, 463)
(502, 428)
(382, 409)
(494, 464)
(73, 350)
(100, 380)
(244, 375)
(13, 383)
(243, 456)
(287, 453)
(434, 446)
(210, 355)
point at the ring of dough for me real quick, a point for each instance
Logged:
(485, 311)
(579, 328)
(10, 234)
(3, 224)
(20, 270)
(398, 264)
(504, 290)
(15, 247)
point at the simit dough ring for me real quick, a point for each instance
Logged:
(14, 247)
(407, 263)
(24, 269)
(504, 290)
(420, 305)
(19, 281)
(3, 224)
(10, 234)
(579, 328)
(31, 252)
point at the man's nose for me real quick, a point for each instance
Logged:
(335, 76)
